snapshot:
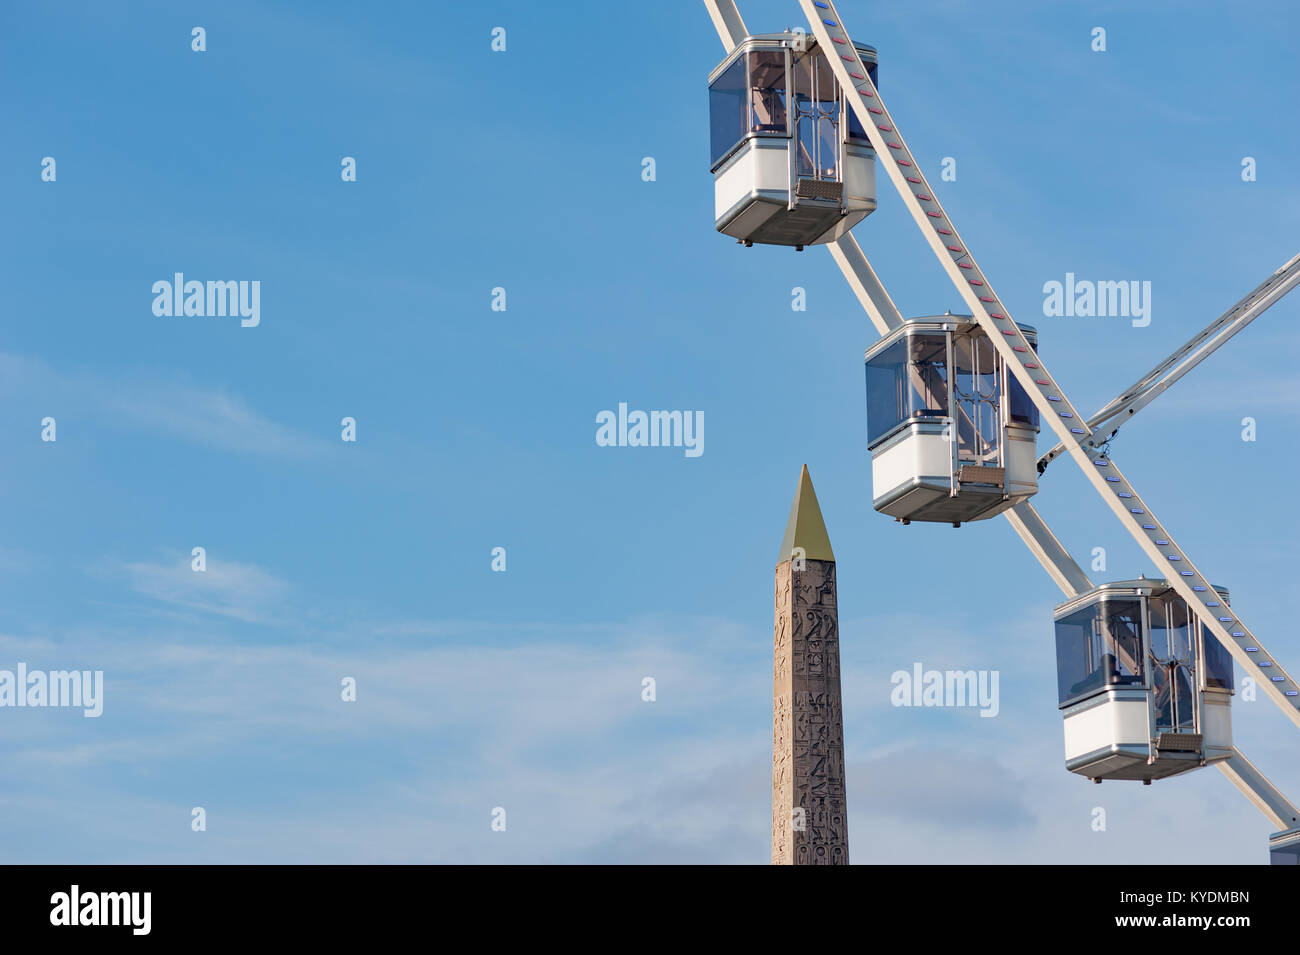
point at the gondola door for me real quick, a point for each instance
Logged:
(1174, 696)
(977, 413)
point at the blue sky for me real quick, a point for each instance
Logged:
(522, 170)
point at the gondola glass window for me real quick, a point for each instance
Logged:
(727, 110)
(1218, 663)
(767, 97)
(906, 382)
(1097, 647)
(749, 98)
(1022, 408)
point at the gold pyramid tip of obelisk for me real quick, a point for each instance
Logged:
(806, 529)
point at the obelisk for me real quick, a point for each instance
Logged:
(809, 815)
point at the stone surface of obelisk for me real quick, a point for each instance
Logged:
(809, 815)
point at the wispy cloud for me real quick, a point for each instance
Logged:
(453, 719)
(199, 415)
(228, 588)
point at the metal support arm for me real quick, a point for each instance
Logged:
(866, 285)
(727, 21)
(1262, 794)
(1051, 553)
(1158, 380)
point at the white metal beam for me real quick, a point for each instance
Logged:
(1262, 794)
(727, 21)
(848, 255)
(1051, 553)
(1157, 381)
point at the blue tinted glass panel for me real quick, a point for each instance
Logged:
(1218, 663)
(1077, 670)
(885, 394)
(767, 106)
(1098, 647)
(727, 95)
(1023, 410)
(927, 375)
(855, 128)
(907, 381)
(1122, 638)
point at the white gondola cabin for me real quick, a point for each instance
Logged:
(1145, 690)
(952, 434)
(791, 163)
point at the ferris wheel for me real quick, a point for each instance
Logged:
(955, 404)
